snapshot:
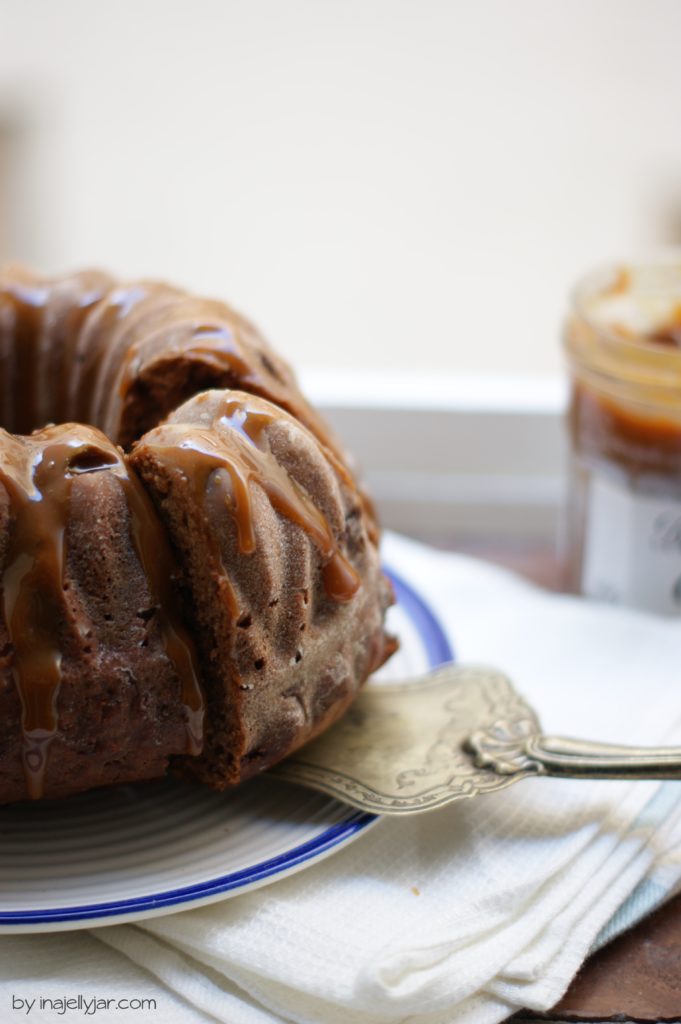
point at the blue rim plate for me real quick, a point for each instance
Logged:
(119, 855)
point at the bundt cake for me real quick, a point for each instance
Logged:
(190, 573)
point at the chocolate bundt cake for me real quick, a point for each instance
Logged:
(190, 572)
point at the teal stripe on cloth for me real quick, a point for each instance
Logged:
(648, 894)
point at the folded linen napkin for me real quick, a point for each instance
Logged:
(462, 915)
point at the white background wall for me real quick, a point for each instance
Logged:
(384, 183)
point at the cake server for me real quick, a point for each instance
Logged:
(455, 733)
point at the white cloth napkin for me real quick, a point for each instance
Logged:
(463, 915)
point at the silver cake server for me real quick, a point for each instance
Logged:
(457, 732)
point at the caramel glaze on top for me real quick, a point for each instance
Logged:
(120, 357)
(87, 348)
(240, 454)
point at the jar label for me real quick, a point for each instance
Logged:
(632, 548)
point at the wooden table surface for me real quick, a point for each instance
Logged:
(636, 977)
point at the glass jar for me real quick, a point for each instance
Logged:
(623, 341)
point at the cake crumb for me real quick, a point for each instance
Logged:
(415, 890)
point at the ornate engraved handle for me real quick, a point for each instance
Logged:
(502, 751)
(451, 735)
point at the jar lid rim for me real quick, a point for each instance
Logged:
(662, 362)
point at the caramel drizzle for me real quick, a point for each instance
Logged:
(116, 307)
(213, 335)
(100, 366)
(222, 355)
(242, 450)
(29, 298)
(34, 392)
(114, 331)
(37, 473)
(213, 343)
(106, 347)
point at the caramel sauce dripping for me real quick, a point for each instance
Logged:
(244, 455)
(211, 335)
(37, 473)
(223, 355)
(115, 308)
(28, 299)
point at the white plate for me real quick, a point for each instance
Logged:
(132, 852)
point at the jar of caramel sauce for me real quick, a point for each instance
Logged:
(623, 342)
